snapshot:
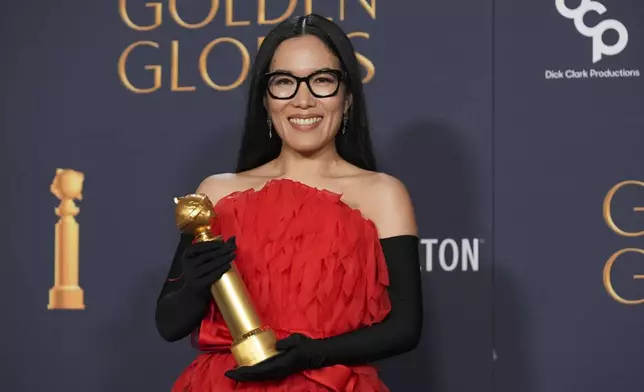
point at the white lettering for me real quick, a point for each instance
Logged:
(451, 254)
(573, 74)
(470, 252)
(429, 252)
(609, 73)
(442, 255)
(595, 32)
(554, 74)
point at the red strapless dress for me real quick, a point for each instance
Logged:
(312, 265)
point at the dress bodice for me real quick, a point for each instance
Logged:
(312, 265)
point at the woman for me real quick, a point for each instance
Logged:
(326, 245)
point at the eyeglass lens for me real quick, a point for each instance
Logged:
(322, 84)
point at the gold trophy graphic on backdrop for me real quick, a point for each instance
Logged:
(252, 343)
(66, 293)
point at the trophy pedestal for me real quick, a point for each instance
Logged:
(66, 297)
(255, 348)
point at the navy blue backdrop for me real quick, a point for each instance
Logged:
(510, 122)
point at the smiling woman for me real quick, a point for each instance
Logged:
(296, 112)
(327, 246)
(313, 52)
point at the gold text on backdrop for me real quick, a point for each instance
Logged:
(205, 73)
(608, 218)
(66, 293)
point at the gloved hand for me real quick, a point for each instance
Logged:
(298, 354)
(204, 263)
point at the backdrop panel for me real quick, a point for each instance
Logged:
(569, 127)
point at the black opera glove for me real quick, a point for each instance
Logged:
(205, 262)
(185, 294)
(298, 355)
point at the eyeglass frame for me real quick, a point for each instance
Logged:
(341, 75)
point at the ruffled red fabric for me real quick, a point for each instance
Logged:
(312, 265)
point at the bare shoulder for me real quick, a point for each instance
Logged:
(217, 186)
(390, 206)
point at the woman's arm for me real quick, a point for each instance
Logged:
(400, 331)
(179, 310)
(185, 294)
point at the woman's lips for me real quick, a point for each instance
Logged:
(307, 123)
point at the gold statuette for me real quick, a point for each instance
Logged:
(66, 294)
(252, 343)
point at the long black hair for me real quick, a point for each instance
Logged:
(354, 145)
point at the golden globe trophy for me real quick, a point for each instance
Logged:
(66, 293)
(252, 343)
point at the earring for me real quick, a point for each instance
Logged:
(270, 126)
(344, 124)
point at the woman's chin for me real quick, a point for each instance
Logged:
(302, 145)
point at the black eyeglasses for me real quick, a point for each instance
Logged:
(322, 84)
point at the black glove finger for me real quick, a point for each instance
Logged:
(274, 368)
(290, 342)
(202, 276)
(199, 248)
(232, 374)
(206, 282)
(213, 248)
(237, 376)
(210, 267)
(203, 283)
(213, 276)
(215, 256)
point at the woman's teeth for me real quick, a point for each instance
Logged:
(305, 121)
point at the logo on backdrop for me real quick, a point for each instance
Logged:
(67, 186)
(451, 254)
(596, 32)
(143, 65)
(600, 50)
(610, 263)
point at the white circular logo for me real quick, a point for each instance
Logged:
(595, 32)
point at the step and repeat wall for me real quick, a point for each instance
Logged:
(518, 128)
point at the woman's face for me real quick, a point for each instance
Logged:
(305, 123)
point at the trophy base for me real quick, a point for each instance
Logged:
(66, 297)
(255, 348)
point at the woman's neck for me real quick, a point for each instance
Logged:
(295, 165)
